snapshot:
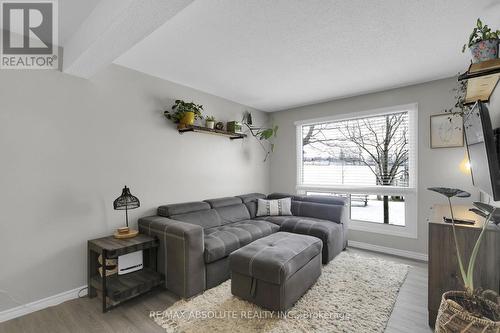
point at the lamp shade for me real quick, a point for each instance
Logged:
(126, 201)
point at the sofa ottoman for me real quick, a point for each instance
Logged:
(329, 232)
(275, 271)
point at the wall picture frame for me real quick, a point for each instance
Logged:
(447, 130)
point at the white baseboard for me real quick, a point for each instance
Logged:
(390, 250)
(25, 309)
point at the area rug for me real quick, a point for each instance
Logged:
(355, 293)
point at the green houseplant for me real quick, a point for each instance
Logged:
(471, 310)
(264, 135)
(460, 107)
(184, 113)
(210, 122)
(483, 42)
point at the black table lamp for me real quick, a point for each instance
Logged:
(125, 202)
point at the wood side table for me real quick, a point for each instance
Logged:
(118, 288)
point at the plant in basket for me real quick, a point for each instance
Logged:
(474, 309)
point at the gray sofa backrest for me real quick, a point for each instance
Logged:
(216, 212)
(322, 207)
(329, 200)
(230, 209)
(250, 200)
(182, 208)
(205, 218)
(199, 213)
(213, 212)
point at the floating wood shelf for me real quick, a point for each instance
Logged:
(482, 78)
(199, 129)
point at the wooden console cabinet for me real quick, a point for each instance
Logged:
(444, 274)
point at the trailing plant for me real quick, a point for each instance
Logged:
(263, 134)
(180, 108)
(459, 109)
(480, 33)
(460, 92)
(474, 300)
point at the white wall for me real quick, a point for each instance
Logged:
(436, 167)
(67, 147)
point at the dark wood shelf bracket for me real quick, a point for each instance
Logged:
(199, 129)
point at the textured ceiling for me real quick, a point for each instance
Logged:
(71, 14)
(278, 54)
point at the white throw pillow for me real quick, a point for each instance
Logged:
(274, 207)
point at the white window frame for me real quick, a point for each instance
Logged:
(410, 230)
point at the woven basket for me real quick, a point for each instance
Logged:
(453, 318)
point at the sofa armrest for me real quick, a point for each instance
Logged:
(334, 213)
(180, 256)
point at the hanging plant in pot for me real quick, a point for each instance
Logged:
(264, 135)
(472, 310)
(483, 43)
(184, 114)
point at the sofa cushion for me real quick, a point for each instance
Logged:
(233, 213)
(250, 200)
(275, 207)
(330, 233)
(230, 209)
(251, 197)
(182, 208)
(279, 220)
(205, 218)
(252, 208)
(221, 241)
(275, 258)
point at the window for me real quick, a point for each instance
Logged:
(369, 157)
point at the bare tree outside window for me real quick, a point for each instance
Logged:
(378, 143)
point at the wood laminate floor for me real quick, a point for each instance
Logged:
(84, 315)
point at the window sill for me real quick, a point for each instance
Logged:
(388, 190)
(385, 229)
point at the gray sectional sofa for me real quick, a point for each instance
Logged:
(196, 238)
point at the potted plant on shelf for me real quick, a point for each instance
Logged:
(471, 310)
(210, 122)
(183, 113)
(233, 126)
(483, 43)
